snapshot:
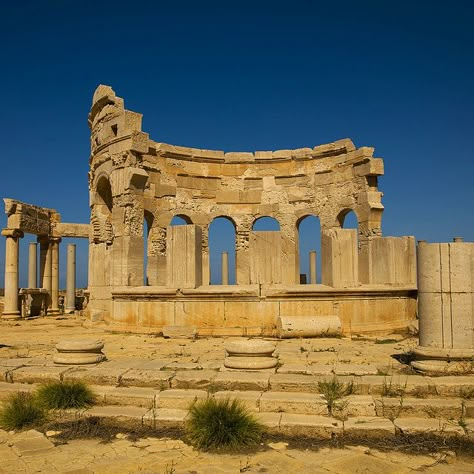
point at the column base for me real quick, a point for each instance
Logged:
(11, 315)
(53, 312)
(69, 310)
(443, 361)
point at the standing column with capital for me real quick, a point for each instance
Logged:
(71, 279)
(10, 308)
(45, 268)
(55, 241)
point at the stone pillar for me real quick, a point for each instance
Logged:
(312, 267)
(32, 270)
(10, 309)
(71, 279)
(45, 268)
(242, 256)
(55, 275)
(445, 307)
(225, 268)
(206, 270)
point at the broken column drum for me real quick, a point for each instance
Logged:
(253, 354)
(445, 307)
(79, 352)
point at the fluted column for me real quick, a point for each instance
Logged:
(71, 279)
(55, 241)
(32, 270)
(10, 308)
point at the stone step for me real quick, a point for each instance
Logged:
(302, 403)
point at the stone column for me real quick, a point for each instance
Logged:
(71, 279)
(445, 307)
(206, 271)
(225, 268)
(45, 268)
(55, 275)
(242, 256)
(10, 309)
(312, 267)
(32, 270)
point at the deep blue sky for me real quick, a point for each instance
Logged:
(397, 75)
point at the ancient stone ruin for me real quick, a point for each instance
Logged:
(137, 186)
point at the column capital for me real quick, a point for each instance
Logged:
(55, 240)
(15, 233)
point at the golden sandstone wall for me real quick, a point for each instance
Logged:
(135, 180)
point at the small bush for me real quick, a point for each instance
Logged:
(222, 425)
(333, 390)
(63, 395)
(20, 410)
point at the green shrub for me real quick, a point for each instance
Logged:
(20, 410)
(222, 425)
(63, 395)
(333, 390)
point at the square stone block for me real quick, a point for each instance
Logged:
(237, 380)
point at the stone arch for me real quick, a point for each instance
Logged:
(267, 223)
(341, 217)
(222, 238)
(180, 219)
(308, 236)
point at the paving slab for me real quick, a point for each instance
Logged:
(7, 389)
(132, 396)
(355, 369)
(360, 405)
(309, 425)
(322, 369)
(96, 375)
(270, 420)
(159, 379)
(179, 398)
(293, 383)
(117, 411)
(365, 426)
(361, 463)
(285, 402)
(294, 368)
(32, 446)
(170, 415)
(38, 374)
(423, 425)
(452, 386)
(419, 408)
(181, 366)
(249, 398)
(242, 381)
(194, 379)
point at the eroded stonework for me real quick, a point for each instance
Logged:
(138, 185)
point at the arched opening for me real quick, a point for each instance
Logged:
(147, 226)
(181, 219)
(265, 223)
(222, 239)
(348, 220)
(309, 241)
(104, 193)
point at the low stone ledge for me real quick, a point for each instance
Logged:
(194, 379)
(96, 375)
(410, 426)
(180, 399)
(369, 426)
(421, 408)
(38, 374)
(171, 416)
(309, 425)
(303, 403)
(129, 396)
(7, 388)
(242, 381)
(293, 383)
(250, 398)
(118, 411)
(159, 379)
(360, 405)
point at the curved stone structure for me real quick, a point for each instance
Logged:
(445, 307)
(138, 185)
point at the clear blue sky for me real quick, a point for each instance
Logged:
(397, 75)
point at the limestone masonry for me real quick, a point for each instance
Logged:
(137, 186)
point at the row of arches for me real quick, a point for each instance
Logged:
(222, 238)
